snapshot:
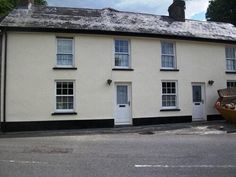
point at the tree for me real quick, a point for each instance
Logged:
(7, 5)
(222, 11)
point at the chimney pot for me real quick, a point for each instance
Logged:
(177, 10)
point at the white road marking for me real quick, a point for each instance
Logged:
(23, 162)
(185, 166)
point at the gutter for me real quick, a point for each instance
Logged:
(119, 33)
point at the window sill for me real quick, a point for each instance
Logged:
(166, 110)
(122, 69)
(230, 72)
(64, 68)
(64, 113)
(173, 70)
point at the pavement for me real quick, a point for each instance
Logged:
(193, 128)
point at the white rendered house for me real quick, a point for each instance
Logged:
(77, 68)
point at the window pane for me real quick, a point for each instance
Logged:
(64, 91)
(197, 94)
(168, 87)
(230, 64)
(59, 105)
(70, 91)
(228, 85)
(64, 51)
(59, 99)
(59, 91)
(70, 85)
(163, 84)
(121, 60)
(168, 100)
(122, 94)
(64, 106)
(121, 46)
(70, 105)
(59, 85)
(167, 61)
(64, 59)
(64, 84)
(230, 52)
(124, 47)
(168, 84)
(64, 46)
(70, 99)
(64, 99)
(117, 46)
(167, 48)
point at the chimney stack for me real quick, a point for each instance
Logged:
(30, 3)
(26, 3)
(23, 3)
(177, 10)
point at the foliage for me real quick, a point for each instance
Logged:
(7, 5)
(222, 11)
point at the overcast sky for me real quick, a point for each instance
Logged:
(195, 9)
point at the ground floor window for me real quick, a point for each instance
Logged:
(169, 94)
(231, 84)
(64, 96)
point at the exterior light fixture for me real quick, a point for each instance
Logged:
(211, 82)
(109, 81)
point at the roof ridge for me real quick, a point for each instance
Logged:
(132, 12)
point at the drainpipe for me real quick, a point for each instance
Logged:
(0, 77)
(4, 78)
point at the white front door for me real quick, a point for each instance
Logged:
(198, 102)
(123, 104)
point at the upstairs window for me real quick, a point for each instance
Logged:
(122, 54)
(169, 94)
(230, 59)
(168, 55)
(65, 52)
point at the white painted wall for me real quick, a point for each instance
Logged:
(30, 79)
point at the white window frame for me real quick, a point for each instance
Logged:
(73, 52)
(55, 97)
(173, 55)
(230, 58)
(176, 94)
(129, 54)
(230, 81)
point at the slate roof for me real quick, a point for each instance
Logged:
(111, 20)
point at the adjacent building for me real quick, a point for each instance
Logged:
(78, 68)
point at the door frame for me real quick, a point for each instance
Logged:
(203, 86)
(115, 101)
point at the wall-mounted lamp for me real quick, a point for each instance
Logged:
(109, 81)
(211, 82)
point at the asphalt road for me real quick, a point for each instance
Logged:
(119, 155)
